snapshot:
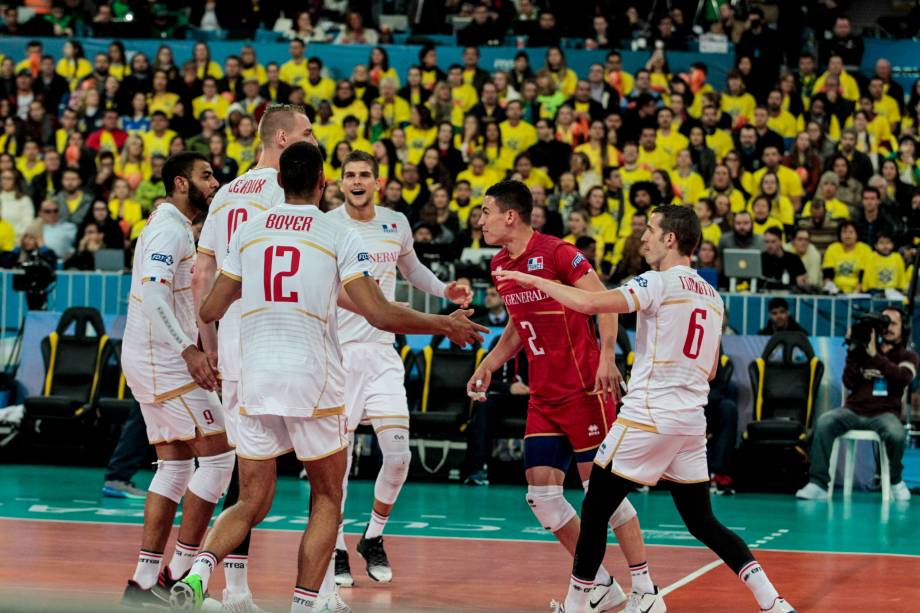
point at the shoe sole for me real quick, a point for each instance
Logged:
(390, 580)
(112, 493)
(182, 597)
(344, 581)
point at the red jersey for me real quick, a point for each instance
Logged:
(561, 344)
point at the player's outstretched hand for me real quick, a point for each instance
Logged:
(461, 331)
(460, 295)
(608, 380)
(520, 278)
(201, 369)
(478, 384)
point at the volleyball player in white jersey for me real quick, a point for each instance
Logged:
(253, 192)
(288, 266)
(660, 432)
(375, 392)
(173, 382)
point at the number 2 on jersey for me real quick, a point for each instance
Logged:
(533, 336)
(274, 292)
(694, 340)
(234, 219)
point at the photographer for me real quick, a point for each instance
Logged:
(876, 374)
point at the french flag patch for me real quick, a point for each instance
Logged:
(535, 263)
(390, 228)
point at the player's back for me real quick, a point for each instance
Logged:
(235, 203)
(384, 239)
(561, 344)
(293, 260)
(678, 332)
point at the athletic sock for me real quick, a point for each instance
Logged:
(579, 593)
(641, 579)
(235, 574)
(602, 577)
(340, 539)
(204, 565)
(376, 525)
(303, 600)
(327, 587)
(182, 560)
(148, 568)
(756, 580)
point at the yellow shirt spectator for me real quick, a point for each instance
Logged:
(396, 112)
(712, 233)
(465, 96)
(671, 144)
(313, 94)
(771, 222)
(213, 69)
(604, 228)
(257, 72)
(656, 159)
(294, 73)
(219, 104)
(781, 210)
(836, 209)
(848, 83)
(28, 171)
(833, 130)
(73, 71)
(243, 153)
(632, 176)
(734, 196)
(127, 210)
(847, 264)
(738, 106)
(565, 80)
(720, 142)
(417, 140)
(783, 124)
(157, 144)
(7, 236)
(621, 81)
(328, 135)
(691, 187)
(885, 272)
(538, 177)
(594, 156)
(790, 184)
(479, 183)
(356, 108)
(888, 109)
(518, 138)
(165, 102)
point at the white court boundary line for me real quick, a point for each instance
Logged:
(473, 538)
(699, 572)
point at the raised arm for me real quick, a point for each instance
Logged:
(421, 277)
(589, 302)
(370, 302)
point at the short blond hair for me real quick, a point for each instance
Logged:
(278, 117)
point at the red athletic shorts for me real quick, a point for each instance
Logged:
(584, 420)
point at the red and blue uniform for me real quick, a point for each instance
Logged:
(561, 345)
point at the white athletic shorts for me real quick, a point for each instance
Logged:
(230, 403)
(635, 452)
(184, 417)
(375, 391)
(263, 437)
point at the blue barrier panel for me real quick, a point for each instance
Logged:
(905, 61)
(340, 59)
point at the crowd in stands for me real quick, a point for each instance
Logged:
(796, 153)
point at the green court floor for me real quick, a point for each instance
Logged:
(499, 512)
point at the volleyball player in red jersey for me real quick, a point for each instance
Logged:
(573, 381)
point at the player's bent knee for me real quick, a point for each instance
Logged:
(549, 506)
(624, 513)
(213, 476)
(392, 475)
(172, 478)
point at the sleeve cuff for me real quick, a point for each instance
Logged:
(205, 250)
(354, 277)
(231, 275)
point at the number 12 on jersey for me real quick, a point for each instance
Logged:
(273, 281)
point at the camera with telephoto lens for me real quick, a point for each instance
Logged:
(862, 328)
(35, 281)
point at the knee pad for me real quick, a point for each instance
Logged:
(624, 513)
(394, 446)
(550, 507)
(171, 478)
(211, 479)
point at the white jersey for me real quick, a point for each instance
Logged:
(165, 254)
(385, 239)
(235, 203)
(292, 261)
(677, 341)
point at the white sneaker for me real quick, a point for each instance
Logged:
(331, 604)
(239, 604)
(556, 606)
(779, 606)
(606, 596)
(645, 603)
(812, 491)
(900, 492)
